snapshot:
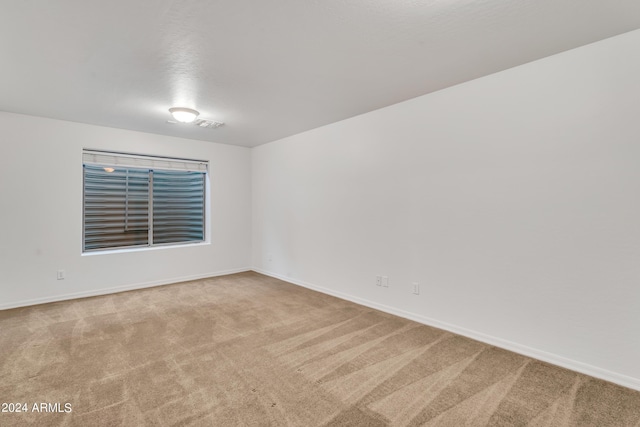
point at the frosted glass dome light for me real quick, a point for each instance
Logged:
(183, 115)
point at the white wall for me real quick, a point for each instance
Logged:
(513, 199)
(41, 212)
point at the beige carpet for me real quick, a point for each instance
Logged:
(250, 350)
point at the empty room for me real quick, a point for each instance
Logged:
(320, 213)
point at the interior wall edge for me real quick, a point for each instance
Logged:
(116, 289)
(554, 359)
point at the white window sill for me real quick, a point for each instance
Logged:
(144, 248)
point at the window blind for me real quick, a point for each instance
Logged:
(116, 207)
(157, 201)
(178, 206)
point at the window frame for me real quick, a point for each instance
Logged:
(150, 245)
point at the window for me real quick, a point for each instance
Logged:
(136, 201)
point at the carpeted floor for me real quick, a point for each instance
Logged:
(247, 349)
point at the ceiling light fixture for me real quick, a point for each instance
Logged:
(183, 115)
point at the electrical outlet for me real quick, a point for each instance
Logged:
(385, 282)
(378, 280)
(416, 288)
(61, 274)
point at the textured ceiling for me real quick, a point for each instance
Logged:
(270, 68)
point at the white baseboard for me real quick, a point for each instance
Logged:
(554, 359)
(105, 291)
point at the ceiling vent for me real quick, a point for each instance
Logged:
(208, 124)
